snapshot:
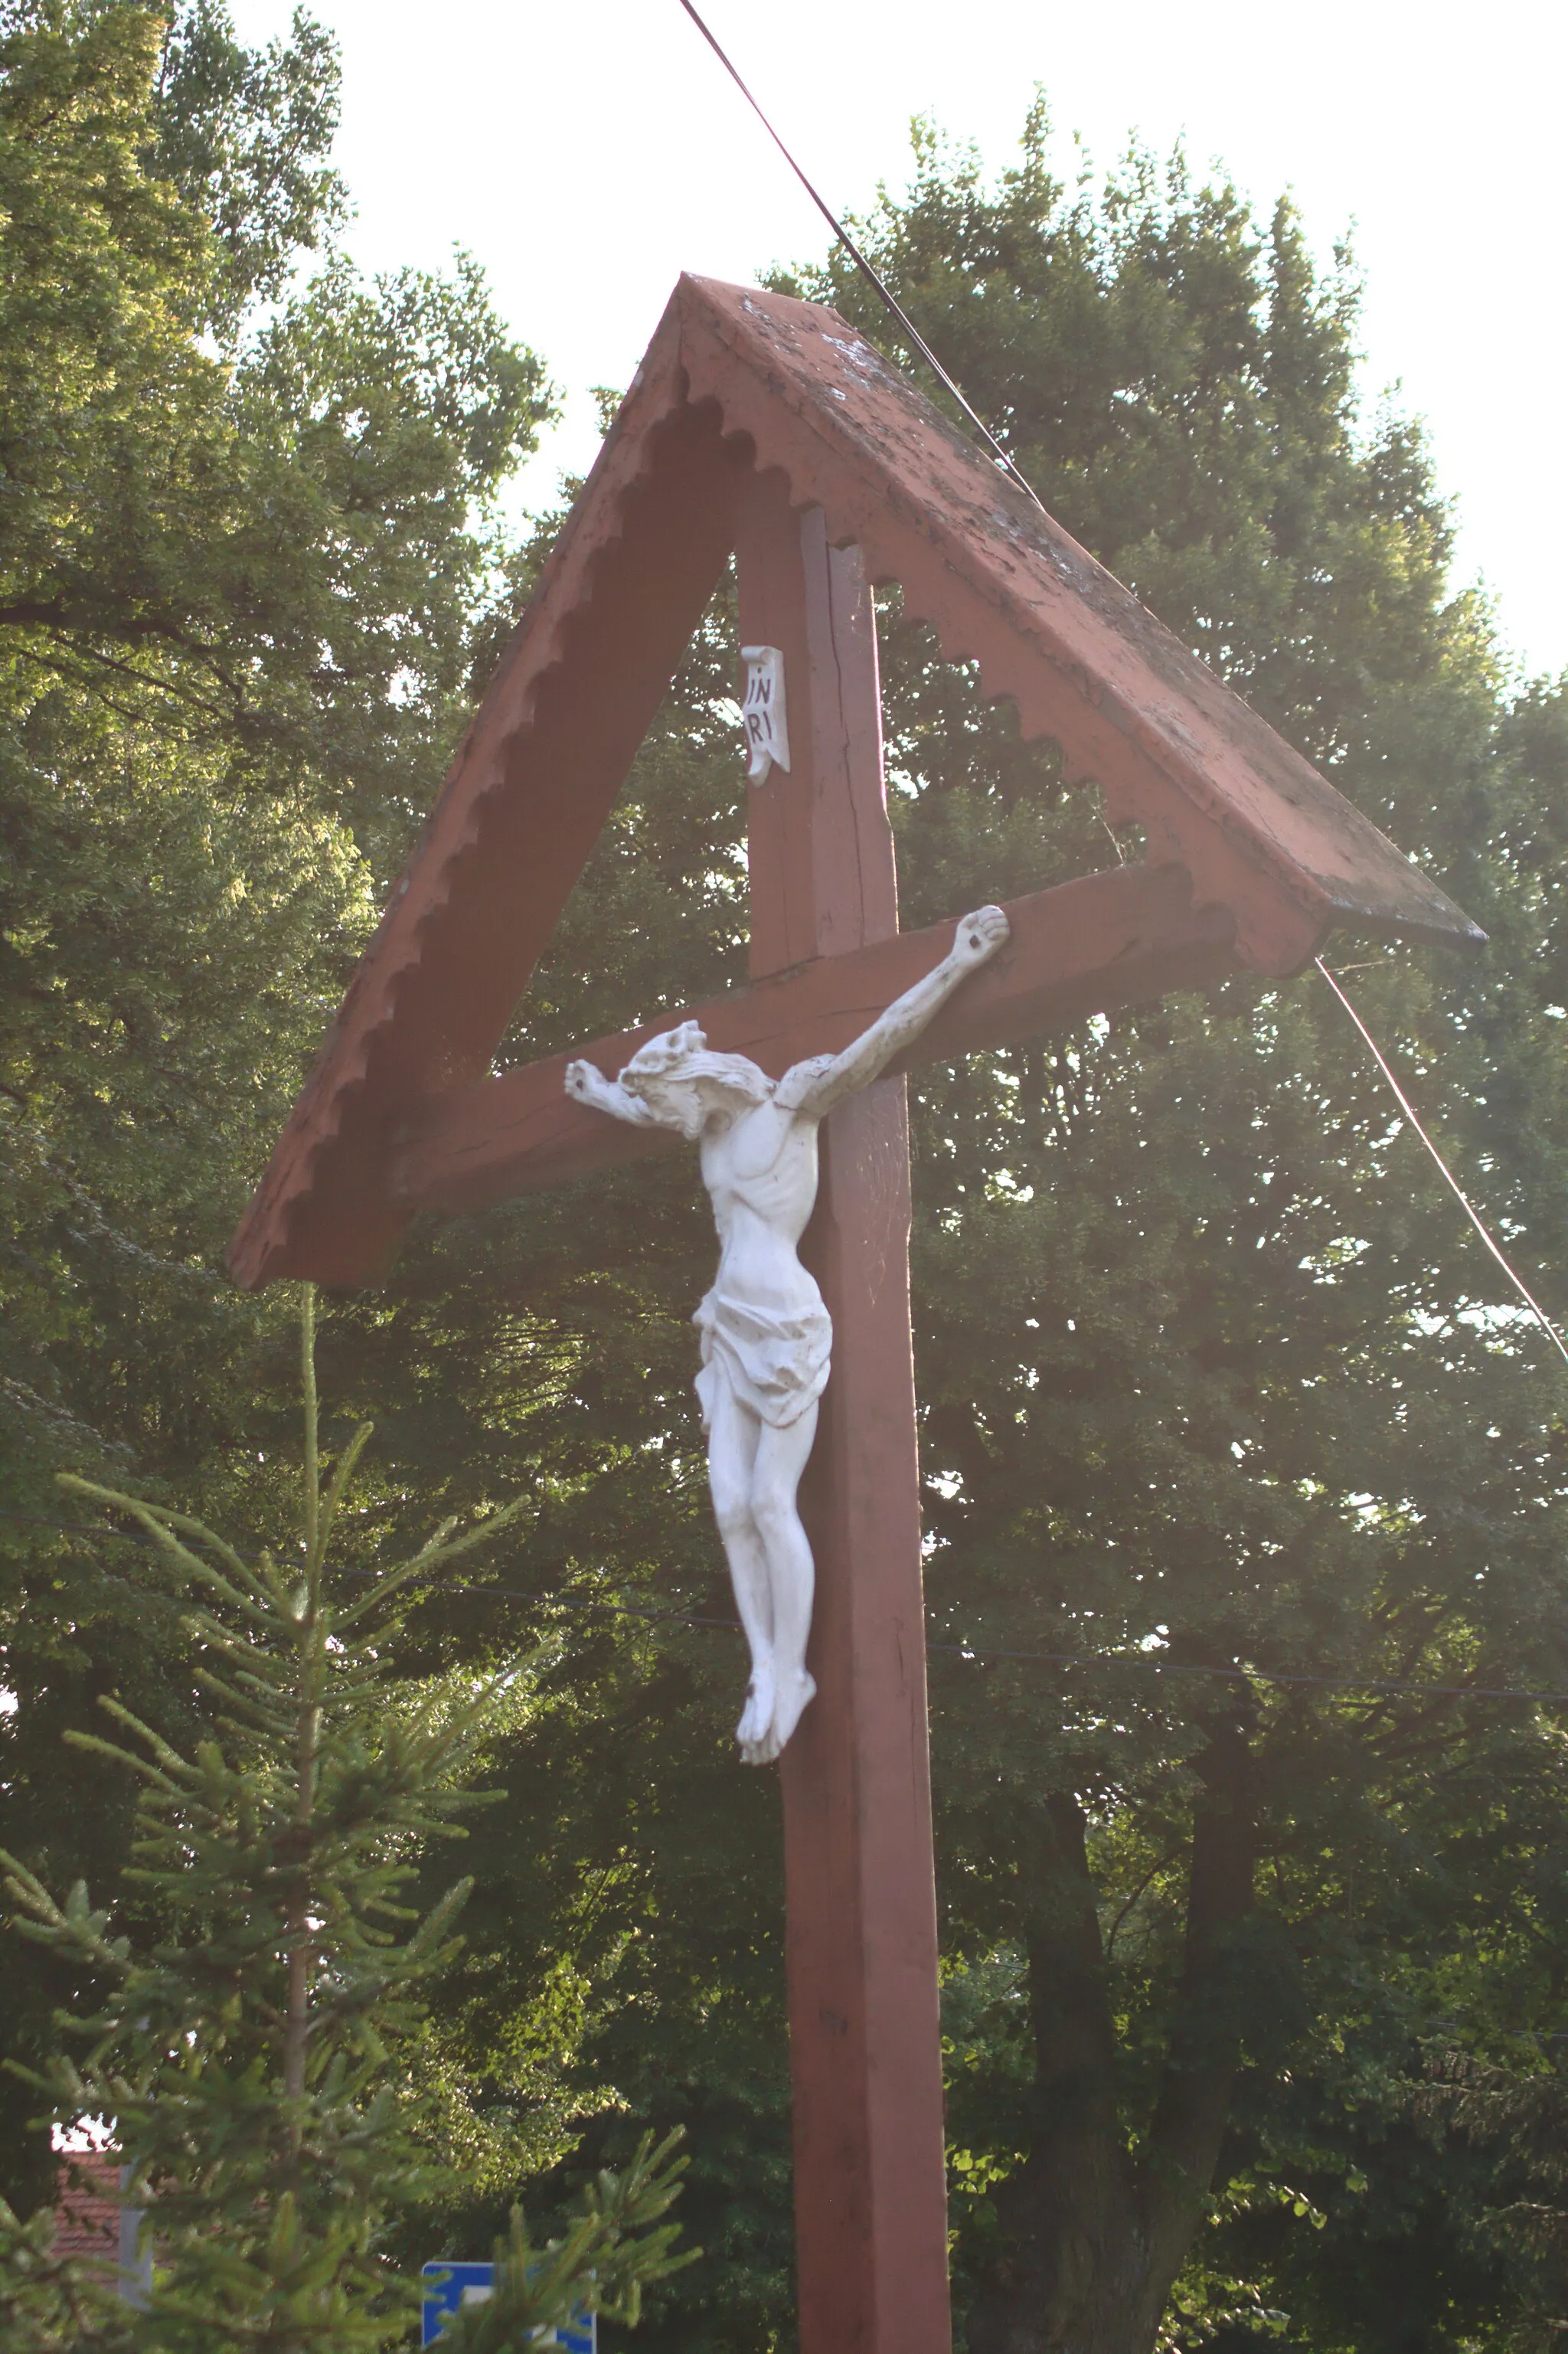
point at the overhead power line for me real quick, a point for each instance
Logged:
(1463, 1199)
(873, 276)
(885, 296)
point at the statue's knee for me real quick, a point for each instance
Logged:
(775, 1515)
(733, 1514)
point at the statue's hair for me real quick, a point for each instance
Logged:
(684, 1054)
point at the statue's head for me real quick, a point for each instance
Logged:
(683, 1083)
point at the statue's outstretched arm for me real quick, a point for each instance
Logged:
(588, 1086)
(822, 1083)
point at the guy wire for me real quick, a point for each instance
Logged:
(886, 295)
(962, 1650)
(1469, 1207)
(870, 273)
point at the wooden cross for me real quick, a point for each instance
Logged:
(768, 426)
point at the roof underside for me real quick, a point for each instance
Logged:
(735, 378)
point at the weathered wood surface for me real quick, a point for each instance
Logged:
(1123, 938)
(524, 801)
(864, 2031)
(1005, 587)
(733, 374)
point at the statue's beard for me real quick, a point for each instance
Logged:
(689, 1105)
(685, 1083)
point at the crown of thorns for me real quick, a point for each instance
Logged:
(684, 1054)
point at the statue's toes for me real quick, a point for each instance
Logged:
(793, 1703)
(761, 1695)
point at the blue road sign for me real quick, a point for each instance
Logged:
(447, 2287)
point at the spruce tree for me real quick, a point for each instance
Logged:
(258, 2054)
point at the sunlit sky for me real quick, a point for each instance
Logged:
(587, 154)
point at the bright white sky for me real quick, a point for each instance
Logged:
(587, 154)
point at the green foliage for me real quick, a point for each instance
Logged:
(1211, 1373)
(617, 2243)
(246, 2054)
(1514, 2210)
(243, 135)
(242, 556)
(1208, 1365)
(272, 551)
(256, 2055)
(50, 2300)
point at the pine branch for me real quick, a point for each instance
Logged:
(248, 2054)
(160, 1524)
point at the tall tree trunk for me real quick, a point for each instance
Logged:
(1097, 2222)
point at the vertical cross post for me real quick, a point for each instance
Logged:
(865, 2050)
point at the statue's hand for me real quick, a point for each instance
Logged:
(980, 935)
(584, 1082)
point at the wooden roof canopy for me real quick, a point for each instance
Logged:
(1267, 857)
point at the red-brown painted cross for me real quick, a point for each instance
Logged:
(768, 426)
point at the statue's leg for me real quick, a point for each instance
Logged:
(781, 1457)
(732, 1434)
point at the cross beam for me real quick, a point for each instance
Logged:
(861, 1951)
(1124, 938)
(737, 386)
(827, 958)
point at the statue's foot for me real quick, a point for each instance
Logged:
(757, 1717)
(795, 1694)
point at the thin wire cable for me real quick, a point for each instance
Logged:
(1469, 1207)
(1136, 1658)
(886, 295)
(869, 273)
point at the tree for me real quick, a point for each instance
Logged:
(1208, 1366)
(268, 549)
(1215, 1383)
(256, 2058)
(1205, 1368)
(242, 554)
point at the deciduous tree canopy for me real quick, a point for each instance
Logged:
(1215, 1381)
(247, 528)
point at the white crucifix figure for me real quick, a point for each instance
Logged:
(766, 1335)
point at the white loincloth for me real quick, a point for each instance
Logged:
(776, 1364)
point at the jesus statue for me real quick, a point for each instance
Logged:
(766, 1334)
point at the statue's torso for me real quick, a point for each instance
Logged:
(766, 1333)
(762, 1176)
